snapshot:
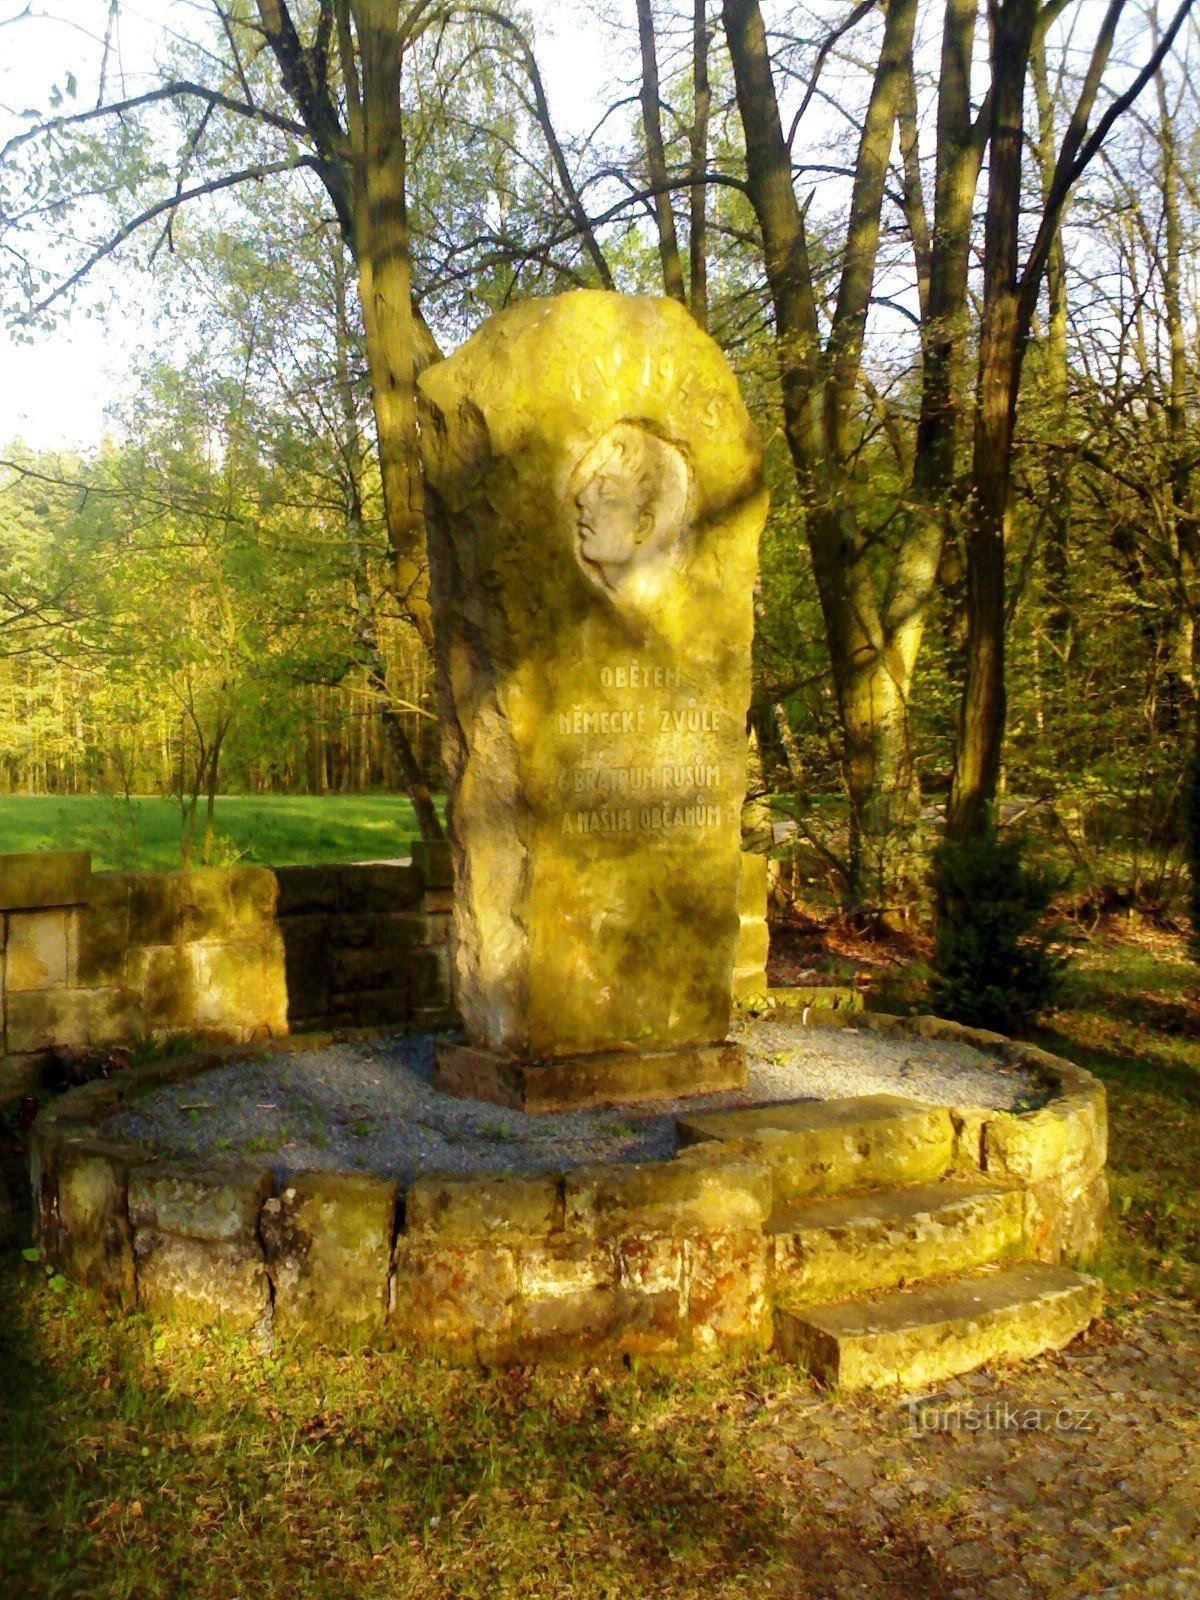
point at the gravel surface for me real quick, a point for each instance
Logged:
(370, 1106)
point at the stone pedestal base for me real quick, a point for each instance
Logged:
(574, 1083)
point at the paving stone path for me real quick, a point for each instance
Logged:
(1101, 1500)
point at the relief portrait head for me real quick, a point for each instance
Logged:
(629, 497)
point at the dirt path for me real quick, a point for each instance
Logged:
(1075, 1477)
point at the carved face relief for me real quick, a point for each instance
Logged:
(630, 495)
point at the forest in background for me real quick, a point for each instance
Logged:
(949, 248)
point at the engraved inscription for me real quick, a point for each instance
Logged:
(642, 819)
(678, 783)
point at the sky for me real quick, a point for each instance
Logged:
(54, 390)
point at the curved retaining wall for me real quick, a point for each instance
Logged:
(663, 1259)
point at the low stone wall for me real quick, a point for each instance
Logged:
(668, 1259)
(367, 944)
(111, 957)
(240, 953)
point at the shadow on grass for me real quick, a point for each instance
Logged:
(1148, 1070)
(135, 1463)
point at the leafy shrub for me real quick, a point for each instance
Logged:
(996, 964)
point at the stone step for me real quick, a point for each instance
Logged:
(858, 1244)
(915, 1337)
(826, 1147)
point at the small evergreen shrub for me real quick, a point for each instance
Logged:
(996, 964)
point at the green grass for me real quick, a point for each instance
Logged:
(182, 1465)
(271, 830)
(1132, 1016)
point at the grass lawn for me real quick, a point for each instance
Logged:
(270, 830)
(138, 1462)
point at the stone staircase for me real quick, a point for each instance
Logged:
(896, 1260)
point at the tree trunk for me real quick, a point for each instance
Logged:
(872, 657)
(370, 649)
(656, 160)
(1056, 557)
(982, 711)
(1185, 532)
(379, 177)
(698, 199)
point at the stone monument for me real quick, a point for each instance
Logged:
(594, 500)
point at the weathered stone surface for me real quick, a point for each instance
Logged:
(752, 886)
(200, 1202)
(1068, 1133)
(957, 1032)
(36, 952)
(754, 938)
(969, 1123)
(830, 1249)
(434, 861)
(827, 1001)
(374, 931)
(748, 986)
(155, 907)
(675, 1199)
(103, 932)
(572, 1298)
(817, 1147)
(205, 904)
(429, 975)
(922, 1335)
(201, 1282)
(595, 501)
(42, 1018)
(253, 895)
(239, 987)
(40, 878)
(452, 1210)
(95, 1241)
(307, 889)
(380, 966)
(48, 1139)
(727, 1299)
(379, 886)
(164, 977)
(458, 1298)
(753, 946)
(306, 960)
(1064, 1215)
(615, 1077)
(328, 1244)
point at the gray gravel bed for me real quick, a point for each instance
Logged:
(370, 1106)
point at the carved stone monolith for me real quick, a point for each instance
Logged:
(594, 500)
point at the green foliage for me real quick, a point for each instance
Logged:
(996, 964)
